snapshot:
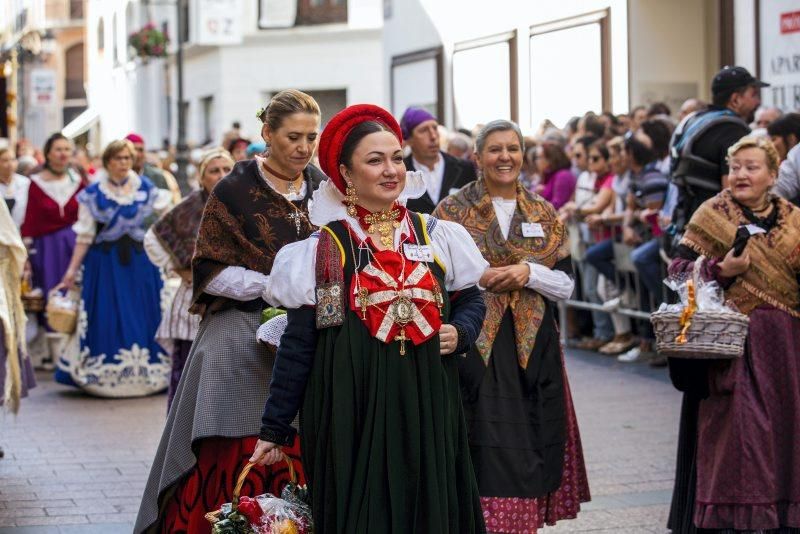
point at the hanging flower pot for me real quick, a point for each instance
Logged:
(149, 42)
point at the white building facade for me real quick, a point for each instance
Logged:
(333, 53)
(329, 48)
(469, 61)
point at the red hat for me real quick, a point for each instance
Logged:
(338, 129)
(135, 138)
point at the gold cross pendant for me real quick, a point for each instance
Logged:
(402, 339)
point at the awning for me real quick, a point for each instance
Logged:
(81, 123)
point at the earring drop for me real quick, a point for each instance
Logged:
(350, 198)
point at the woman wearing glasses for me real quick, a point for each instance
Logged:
(120, 306)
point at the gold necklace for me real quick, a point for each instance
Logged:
(384, 223)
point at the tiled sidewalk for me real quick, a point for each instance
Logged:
(77, 465)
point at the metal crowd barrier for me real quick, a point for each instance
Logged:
(624, 270)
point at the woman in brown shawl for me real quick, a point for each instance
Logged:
(744, 475)
(524, 437)
(214, 421)
(170, 245)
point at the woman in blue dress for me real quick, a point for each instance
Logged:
(120, 306)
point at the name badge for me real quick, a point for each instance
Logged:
(532, 230)
(140, 196)
(753, 229)
(418, 252)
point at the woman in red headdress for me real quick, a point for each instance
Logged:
(382, 304)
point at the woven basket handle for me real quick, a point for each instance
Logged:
(246, 471)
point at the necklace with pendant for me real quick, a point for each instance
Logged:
(296, 216)
(384, 223)
(292, 188)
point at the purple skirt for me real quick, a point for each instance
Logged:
(748, 467)
(28, 377)
(50, 258)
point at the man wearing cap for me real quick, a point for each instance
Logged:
(443, 173)
(141, 166)
(700, 144)
(161, 179)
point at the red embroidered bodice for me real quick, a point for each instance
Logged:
(44, 215)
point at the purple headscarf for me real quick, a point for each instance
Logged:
(412, 118)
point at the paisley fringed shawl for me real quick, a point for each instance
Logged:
(472, 208)
(774, 256)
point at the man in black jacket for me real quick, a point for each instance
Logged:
(700, 143)
(443, 173)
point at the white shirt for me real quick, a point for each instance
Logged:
(433, 177)
(17, 189)
(552, 284)
(292, 282)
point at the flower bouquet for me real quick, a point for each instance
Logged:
(265, 514)
(149, 42)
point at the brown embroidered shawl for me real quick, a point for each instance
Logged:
(472, 208)
(177, 229)
(774, 257)
(245, 223)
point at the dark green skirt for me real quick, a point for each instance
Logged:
(384, 440)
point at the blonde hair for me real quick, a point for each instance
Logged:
(115, 147)
(210, 156)
(764, 143)
(286, 103)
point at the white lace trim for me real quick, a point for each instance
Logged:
(326, 202)
(271, 331)
(125, 195)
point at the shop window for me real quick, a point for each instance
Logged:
(74, 59)
(321, 11)
(485, 80)
(417, 79)
(570, 68)
(76, 9)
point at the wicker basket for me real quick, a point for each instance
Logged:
(33, 303)
(711, 334)
(213, 517)
(60, 318)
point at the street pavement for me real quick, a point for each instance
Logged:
(77, 465)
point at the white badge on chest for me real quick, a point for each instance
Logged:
(532, 230)
(418, 252)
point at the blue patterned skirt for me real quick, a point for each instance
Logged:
(119, 314)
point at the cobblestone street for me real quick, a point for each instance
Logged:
(76, 464)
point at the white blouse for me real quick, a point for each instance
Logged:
(17, 189)
(293, 280)
(552, 284)
(86, 227)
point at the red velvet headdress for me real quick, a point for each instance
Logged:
(337, 130)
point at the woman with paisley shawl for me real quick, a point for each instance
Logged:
(738, 468)
(169, 244)
(381, 302)
(213, 422)
(524, 436)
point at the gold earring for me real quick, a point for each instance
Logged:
(350, 198)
